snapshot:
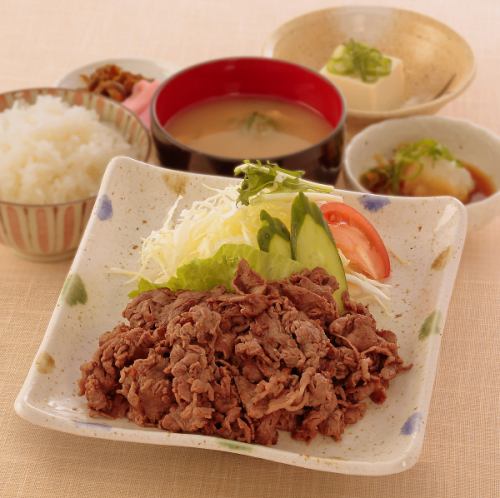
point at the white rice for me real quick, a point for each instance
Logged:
(53, 152)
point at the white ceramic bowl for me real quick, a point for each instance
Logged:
(467, 141)
(148, 68)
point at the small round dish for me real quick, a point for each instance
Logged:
(468, 142)
(438, 63)
(250, 76)
(148, 68)
(52, 231)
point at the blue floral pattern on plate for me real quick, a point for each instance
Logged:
(105, 208)
(374, 203)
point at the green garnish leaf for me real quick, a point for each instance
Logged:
(271, 178)
(259, 123)
(359, 61)
(144, 285)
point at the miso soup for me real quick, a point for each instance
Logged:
(250, 127)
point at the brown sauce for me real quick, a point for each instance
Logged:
(483, 185)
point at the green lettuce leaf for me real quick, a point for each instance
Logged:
(143, 286)
(205, 274)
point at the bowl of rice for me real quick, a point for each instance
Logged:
(54, 147)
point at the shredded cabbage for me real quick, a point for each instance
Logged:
(200, 230)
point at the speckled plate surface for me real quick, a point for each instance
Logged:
(425, 238)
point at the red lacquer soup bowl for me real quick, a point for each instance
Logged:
(258, 77)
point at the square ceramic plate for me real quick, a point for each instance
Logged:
(425, 237)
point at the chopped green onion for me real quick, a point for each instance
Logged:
(427, 147)
(360, 61)
(259, 123)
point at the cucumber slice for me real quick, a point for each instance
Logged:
(313, 245)
(273, 236)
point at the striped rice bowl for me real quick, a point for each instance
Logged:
(51, 232)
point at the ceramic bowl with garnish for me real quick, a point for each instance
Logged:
(429, 156)
(375, 52)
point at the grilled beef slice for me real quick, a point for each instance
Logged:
(242, 365)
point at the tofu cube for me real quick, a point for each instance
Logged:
(383, 95)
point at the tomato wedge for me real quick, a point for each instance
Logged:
(358, 239)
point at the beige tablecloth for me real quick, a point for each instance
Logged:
(39, 41)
